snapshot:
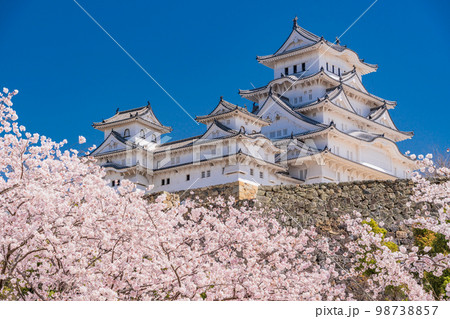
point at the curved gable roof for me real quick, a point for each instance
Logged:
(143, 113)
(274, 99)
(310, 40)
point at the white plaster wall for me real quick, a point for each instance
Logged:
(311, 60)
(219, 174)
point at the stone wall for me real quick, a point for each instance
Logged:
(238, 190)
(321, 205)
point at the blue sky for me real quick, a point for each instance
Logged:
(70, 74)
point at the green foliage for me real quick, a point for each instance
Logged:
(391, 245)
(203, 295)
(439, 245)
(426, 238)
(376, 229)
(437, 284)
(395, 293)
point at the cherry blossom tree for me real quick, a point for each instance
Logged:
(66, 235)
(421, 271)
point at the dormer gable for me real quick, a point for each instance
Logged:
(218, 130)
(114, 142)
(298, 38)
(338, 97)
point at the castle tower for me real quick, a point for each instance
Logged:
(317, 98)
(129, 138)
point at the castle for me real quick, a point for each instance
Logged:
(314, 122)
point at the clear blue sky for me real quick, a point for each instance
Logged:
(71, 74)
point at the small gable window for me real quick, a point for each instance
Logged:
(126, 133)
(142, 134)
(242, 129)
(153, 138)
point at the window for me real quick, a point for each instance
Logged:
(300, 98)
(126, 133)
(208, 173)
(310, 95)
(339, 177)
(113, 183)
(295, 100)
(337, 150)
(203, 174)
(272, 134)
(295, 69)
(118, 182)
(188, 177)
(261, 175)
(251, 171)
(278, 133)
(286, 71)
(163, 182)
(339, 71)
(213, 151)
(168, 181)
(242, 129)
(153, 138)
(142, 133)
(303, 66)
(332, 69)
(303, 173)
(327, 66)
(284, 131)
(223, 170)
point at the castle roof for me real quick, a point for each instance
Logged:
(330, 100)
(204, 139)
(256, 93)
(225, 109)
(301, 40)
(144, 115)
(276, 99)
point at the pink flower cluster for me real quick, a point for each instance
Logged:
(66, 235)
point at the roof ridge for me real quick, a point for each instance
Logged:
(132, 110)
